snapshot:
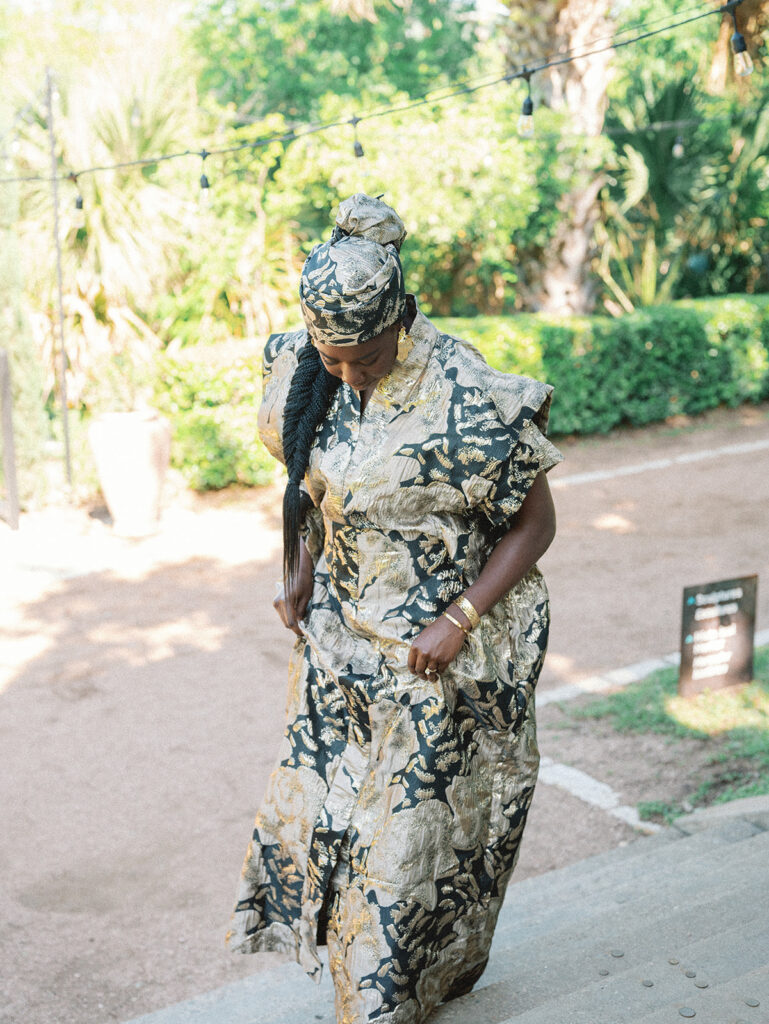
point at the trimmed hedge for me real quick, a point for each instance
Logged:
(211, 395)
(684, 357)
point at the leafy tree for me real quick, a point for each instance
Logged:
(260, 58)
(727, 227)
(687, 207)
(119, 249)
(559, 274)
(16, 341)
(464, 183)
(237, 267)
(641, 252)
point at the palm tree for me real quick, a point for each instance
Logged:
(562, 281)
(121, 246)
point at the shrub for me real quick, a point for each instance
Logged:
(211, 394)
(684, 357)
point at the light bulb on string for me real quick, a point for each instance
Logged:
(678, 148)
(357, 148)
(526, 120)
(205, 184)
(743, 62)
(79, 220)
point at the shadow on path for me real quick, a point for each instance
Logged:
(137, 739)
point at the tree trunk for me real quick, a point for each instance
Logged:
(753, 23)
(563, 281)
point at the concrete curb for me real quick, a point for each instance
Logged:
(754, 809)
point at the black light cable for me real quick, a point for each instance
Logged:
(429, 98)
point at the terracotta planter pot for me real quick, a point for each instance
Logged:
(132, 451)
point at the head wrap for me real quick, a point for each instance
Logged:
(352, 286)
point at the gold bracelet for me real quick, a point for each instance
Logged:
(456, 622)
(465, 605)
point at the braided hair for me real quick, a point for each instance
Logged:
(351, 289)
(309, 397)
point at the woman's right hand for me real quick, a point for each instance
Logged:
(292, 600)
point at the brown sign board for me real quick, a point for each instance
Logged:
(718, 625)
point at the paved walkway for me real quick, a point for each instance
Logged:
(142, 687)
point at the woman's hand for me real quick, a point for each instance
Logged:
(517, 551)
(291, 603)
(434, 649)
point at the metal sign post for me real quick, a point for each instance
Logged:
(57, 244)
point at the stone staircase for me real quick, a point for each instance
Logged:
(670, 927)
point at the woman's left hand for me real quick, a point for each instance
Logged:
(434, 649)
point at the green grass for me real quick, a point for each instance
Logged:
(735, 721)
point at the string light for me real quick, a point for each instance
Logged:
(678, 148)
(357, 148)
(205, 184)
(743, 62)
(79, 214)
(526, 120)
(429, 98)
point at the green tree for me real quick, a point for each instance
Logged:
(120, 248)
(464, 183)
(686, 210)
(16, 340)
(260, 58)
(558, 273)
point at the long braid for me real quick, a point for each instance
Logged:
(309, 397)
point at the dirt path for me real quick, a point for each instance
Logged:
(141, 704)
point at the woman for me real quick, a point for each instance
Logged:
(415, 511)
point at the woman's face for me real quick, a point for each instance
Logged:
(361, 366)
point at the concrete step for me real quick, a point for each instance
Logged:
(561, 965)
(281, 995)
(732, 1003)
(660, 897)
(623, 867)
(684, 880)
(626, 1000)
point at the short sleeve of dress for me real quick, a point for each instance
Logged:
(504, 436)
(279, 361)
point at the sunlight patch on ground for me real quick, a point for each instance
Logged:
(58, 544)
(614, 523)
(138, 645)
(18, 651)
(55, 545)
(560, 666)
(714, 712)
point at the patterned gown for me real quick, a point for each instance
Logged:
(393, 821)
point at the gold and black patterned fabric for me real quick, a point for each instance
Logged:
(352, 287)
(392, 823)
